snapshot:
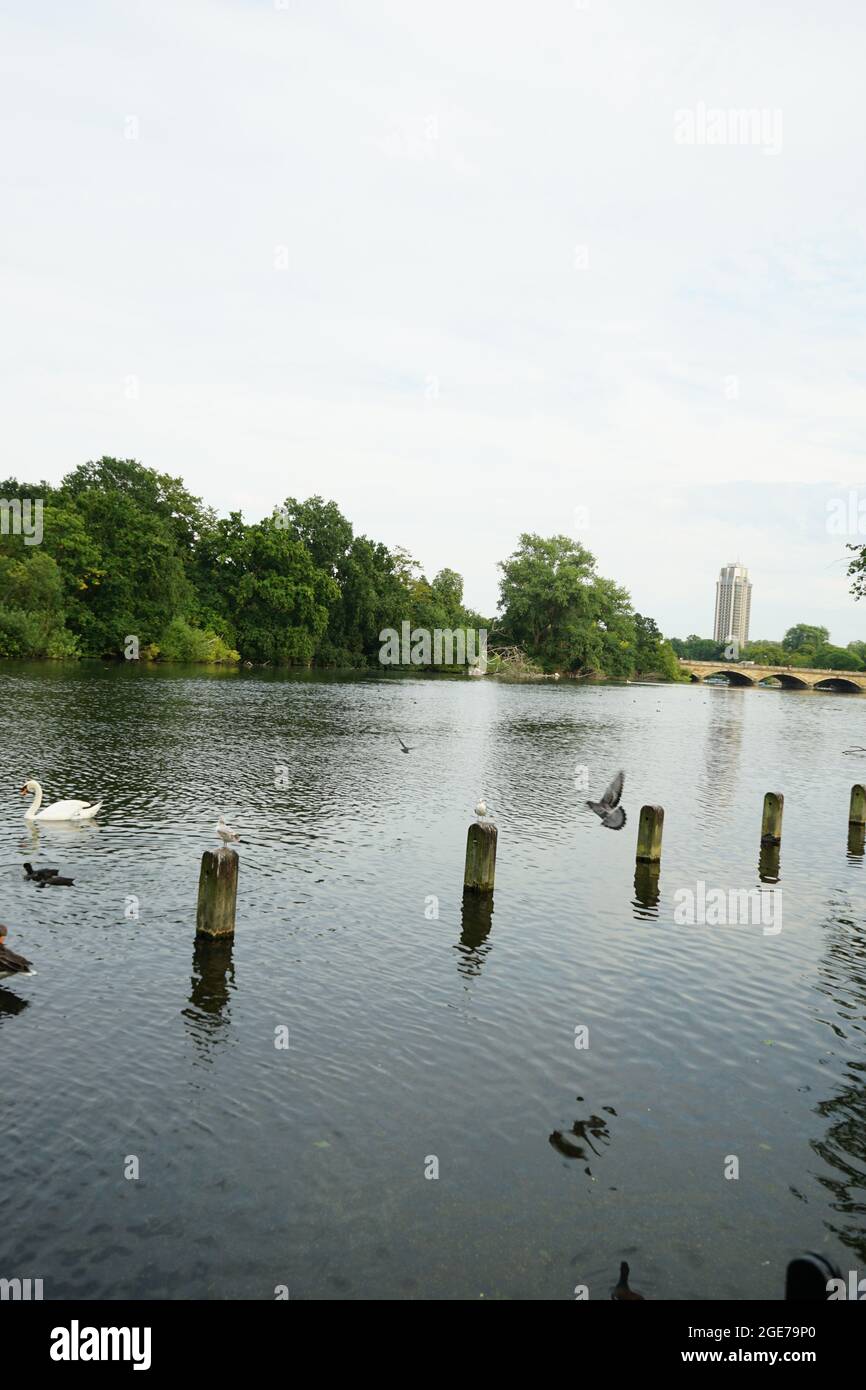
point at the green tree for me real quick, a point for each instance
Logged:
(281, 600)
(694, 648)
(829, 658)
(766, 653)
(31, 607)
(321, 527)
(652, 654)
(803, 637)
(562, 613)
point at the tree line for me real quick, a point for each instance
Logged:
(127, 551)
(802, 645)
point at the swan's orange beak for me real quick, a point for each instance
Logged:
(23, 791)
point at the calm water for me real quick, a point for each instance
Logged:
(413, 1036)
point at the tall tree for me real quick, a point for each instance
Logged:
(803, 637)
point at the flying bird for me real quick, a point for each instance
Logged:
(403, 745)
(611, 813)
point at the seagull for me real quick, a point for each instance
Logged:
(225, 832)
(612, 814)
(403, 745)
(481, 809)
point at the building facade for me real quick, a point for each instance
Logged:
(733, 605)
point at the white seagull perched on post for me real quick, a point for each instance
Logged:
(481, 809)
(225, 832)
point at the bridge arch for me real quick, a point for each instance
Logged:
(787, 681)
(839, 683)
(732, 676)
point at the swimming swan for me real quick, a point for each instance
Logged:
(58, 810)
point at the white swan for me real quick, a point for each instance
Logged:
(58, 810)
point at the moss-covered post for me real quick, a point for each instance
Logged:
(649, 834)
(857, 821)
(217, 893)
(771, 823)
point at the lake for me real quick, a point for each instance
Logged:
(416, 1037)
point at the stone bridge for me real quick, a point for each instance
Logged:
(793, 677)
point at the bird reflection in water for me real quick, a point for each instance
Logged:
(578, 1141)
(10, 1004)
(476, 919)
(213, 979)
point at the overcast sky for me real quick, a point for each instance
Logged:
(455, 265)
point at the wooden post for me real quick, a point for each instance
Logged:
(857, 809)
(480, 870)
(217, 893)
(649, 834)
(771, 824)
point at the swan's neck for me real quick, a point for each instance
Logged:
(35, 804)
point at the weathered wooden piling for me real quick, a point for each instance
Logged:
(771, 823)
(480, 870)
(649, 834)
(857, 808)
(217, 893)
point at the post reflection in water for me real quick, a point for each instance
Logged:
(476, 917)
(213, 979)
(856, 842)
(768, 863)
(842, 1146)
(646, 891)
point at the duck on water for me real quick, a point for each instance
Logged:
(10, 962)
